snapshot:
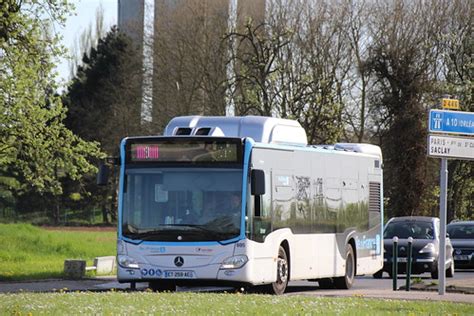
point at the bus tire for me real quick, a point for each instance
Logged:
(326, 283)
(378, 274)
(347, 280)
(162, 286)
(279, 286)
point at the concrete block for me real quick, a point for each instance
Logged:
(74, 269)
(104, 265)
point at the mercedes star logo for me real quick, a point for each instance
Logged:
(178, 261)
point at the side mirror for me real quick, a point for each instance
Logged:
(103, 175)
(113, 161)
(257, 182)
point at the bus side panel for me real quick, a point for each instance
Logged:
(313, 252)
(371, 244)
(322, 198)
(303, 265)
(262, 265)
(328, 215)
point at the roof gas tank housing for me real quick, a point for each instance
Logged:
(260, 128)
(360, 148)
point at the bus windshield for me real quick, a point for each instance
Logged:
(182, 204)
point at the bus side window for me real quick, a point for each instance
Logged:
(258, 206)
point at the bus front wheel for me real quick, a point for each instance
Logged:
(346, 281)
(162, 286)
(279, 286)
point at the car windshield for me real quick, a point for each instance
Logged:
(182, 204)
(461, 231)
(416, 230)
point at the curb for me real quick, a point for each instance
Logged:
(98, 279)
(434, 288)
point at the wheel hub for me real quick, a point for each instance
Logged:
(282, 270)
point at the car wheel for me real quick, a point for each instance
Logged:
(450, 270)
(434, 274)
(347, 280)
(378, 274)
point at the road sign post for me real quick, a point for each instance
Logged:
(444, 147)
(442, 218)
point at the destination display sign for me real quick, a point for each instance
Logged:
(180, 150)
(450, 147)
(451, 122)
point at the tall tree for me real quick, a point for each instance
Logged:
(36, 149)
(404, 52)
(456, 79)
(104, 101)
(104, 97)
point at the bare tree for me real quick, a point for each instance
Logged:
(85, 40)
(293, 65)
(189, 59)
(358, 83)
(324, 46)
(256, 60)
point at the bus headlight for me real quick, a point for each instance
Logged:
(234, 262)
(429, 248)
(127, 262)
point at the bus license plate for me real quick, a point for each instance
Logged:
(179, 274)
(402, 259)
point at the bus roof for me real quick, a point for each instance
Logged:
(261, 129)
(264, 130)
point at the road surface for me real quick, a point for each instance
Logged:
(369, 283)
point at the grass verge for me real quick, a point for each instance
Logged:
(29, 252)
(137, 303)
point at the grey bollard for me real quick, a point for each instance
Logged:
(410, 250)
(74, 269)
(395, 262)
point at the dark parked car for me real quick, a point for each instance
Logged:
(425, 234)
(462, 238)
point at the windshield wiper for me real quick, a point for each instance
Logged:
(144, 233)
(204, 228)
(179, 229)
(200, 227)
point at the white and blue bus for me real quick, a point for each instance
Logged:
(243, 202)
